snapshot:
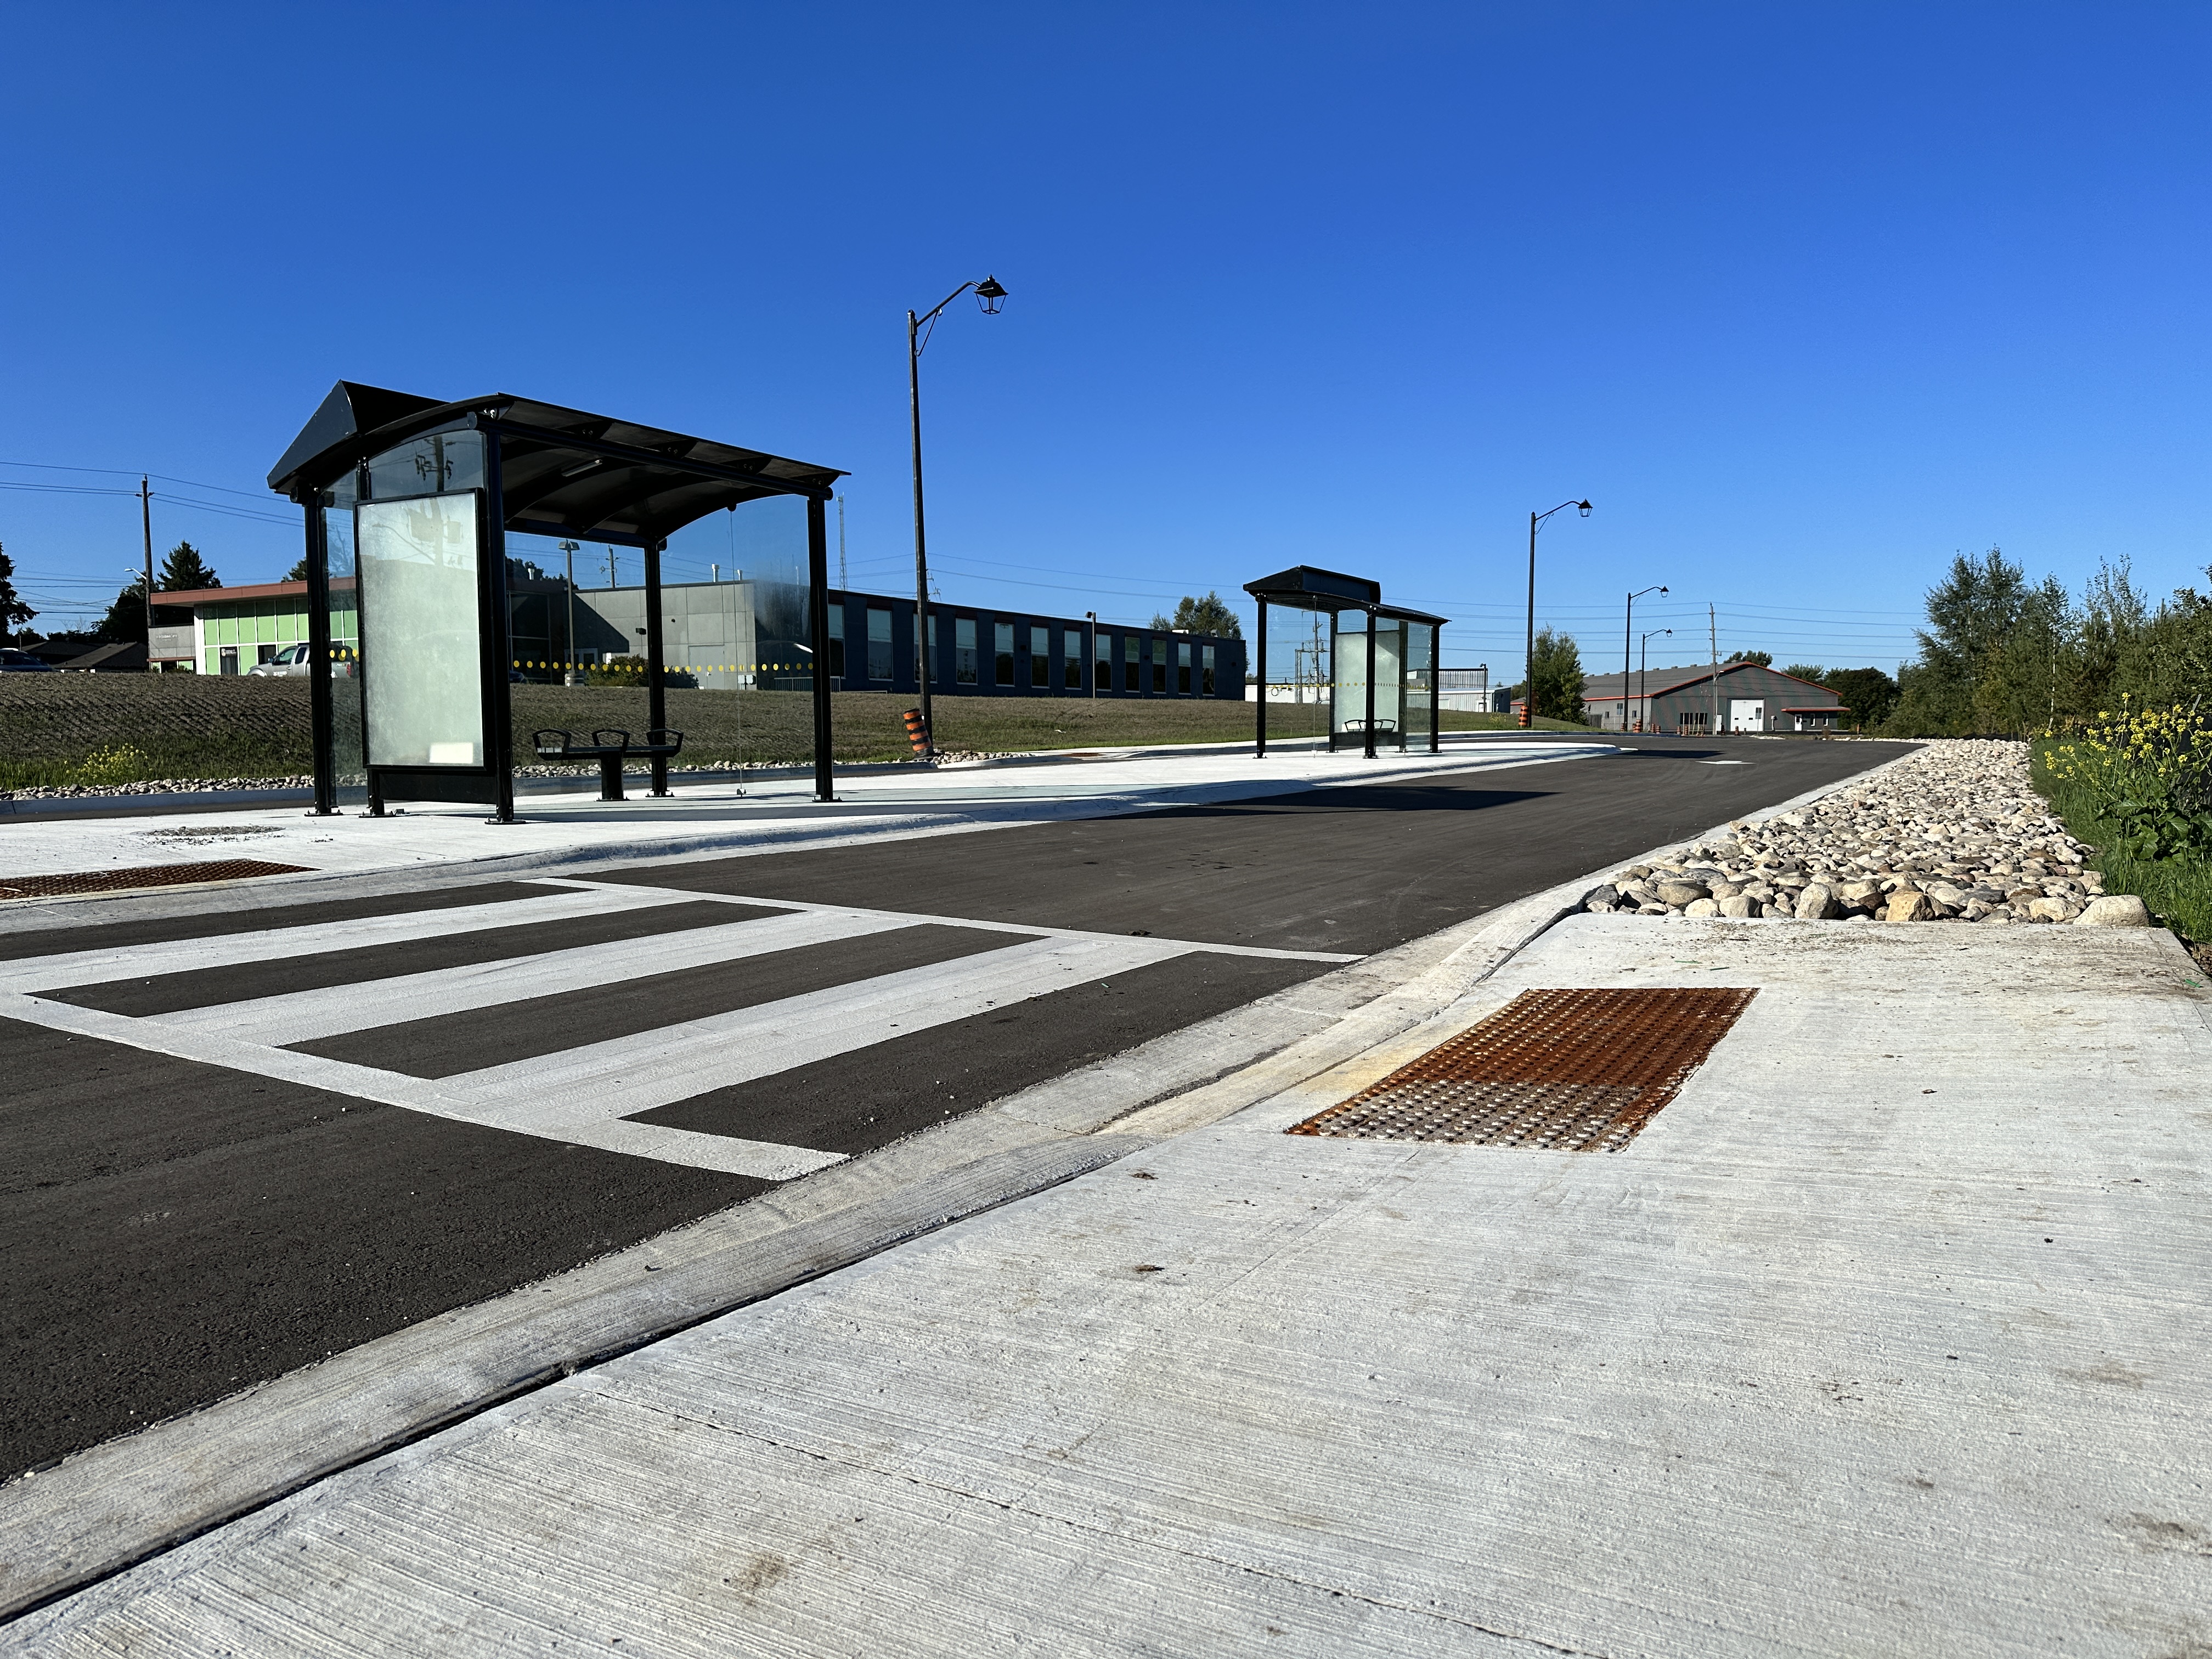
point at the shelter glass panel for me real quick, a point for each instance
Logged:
(420, 648)
(1421, 682)
(345, 641)
(443, 462)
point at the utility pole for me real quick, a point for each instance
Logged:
(1713, 641)
(610, 564)
(146, 523)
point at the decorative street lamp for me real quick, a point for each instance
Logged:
(1529, 674)
(989, 295)
(1642, 662)
(1627, 625)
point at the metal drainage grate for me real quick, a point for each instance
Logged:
(1567, 1071)
(150, 875)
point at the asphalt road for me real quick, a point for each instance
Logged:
(178, 1227)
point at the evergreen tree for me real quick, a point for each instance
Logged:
(1764, 658)
(1808, 671)
(13, 613)
(185, 571)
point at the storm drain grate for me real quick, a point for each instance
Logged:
(150, 875)
(1567, 1071)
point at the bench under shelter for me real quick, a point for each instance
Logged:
(408, 502)
(1383, 659)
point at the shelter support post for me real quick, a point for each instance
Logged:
(320, 712)
(1259, 740)
(1436, 686)
(1368, 748)
(656, 688)
(818, 619)
(498, 638)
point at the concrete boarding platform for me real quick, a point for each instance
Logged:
(1884, 1337)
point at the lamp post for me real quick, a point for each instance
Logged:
(1642, 662)
(1627, 625)
(989, 293)
(1528, 674)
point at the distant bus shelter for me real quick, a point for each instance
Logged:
(1383, 659)
(421, 495)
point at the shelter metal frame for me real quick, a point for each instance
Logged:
(1304, 587)
(546, 471)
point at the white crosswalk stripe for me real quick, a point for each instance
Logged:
(105, 967)
(634, 1074)
(307, 1016)
(586, 1094)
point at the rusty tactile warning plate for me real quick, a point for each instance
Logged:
(148, 875)
(1568, 1071)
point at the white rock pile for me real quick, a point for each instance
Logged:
(1951, 833)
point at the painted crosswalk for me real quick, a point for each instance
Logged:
(586, 1091)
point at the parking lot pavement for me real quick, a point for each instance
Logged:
(246, 1138)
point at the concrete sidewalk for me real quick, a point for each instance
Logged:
(1886, 1336)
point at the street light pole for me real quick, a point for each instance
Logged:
(1627, 626)
(918, 330)
(1643, 662)
(1528, 670)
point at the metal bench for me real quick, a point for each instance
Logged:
(610, 746)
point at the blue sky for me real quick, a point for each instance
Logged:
(1805, 298)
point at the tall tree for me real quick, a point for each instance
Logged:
(1556, 673)
(1764, 658)
(185, 572)
(1808, 671)
(126, 621)
(13, 613)
(1867, 694)
(1207, 616)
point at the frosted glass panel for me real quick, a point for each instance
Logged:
(422, 683)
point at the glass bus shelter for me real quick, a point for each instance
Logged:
(408, 502)
(1383, 659)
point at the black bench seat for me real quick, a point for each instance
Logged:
(610, 746)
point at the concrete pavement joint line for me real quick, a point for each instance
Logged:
(917, 918)
(106, 1510)
(964, 1494)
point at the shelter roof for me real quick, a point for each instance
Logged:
(564, 472)
(1308, 588)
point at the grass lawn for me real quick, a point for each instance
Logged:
(2177, 891)
(58, 729)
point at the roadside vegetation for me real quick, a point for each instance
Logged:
(2136, 784)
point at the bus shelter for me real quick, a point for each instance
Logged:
(1383, 659)
(408, 503)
